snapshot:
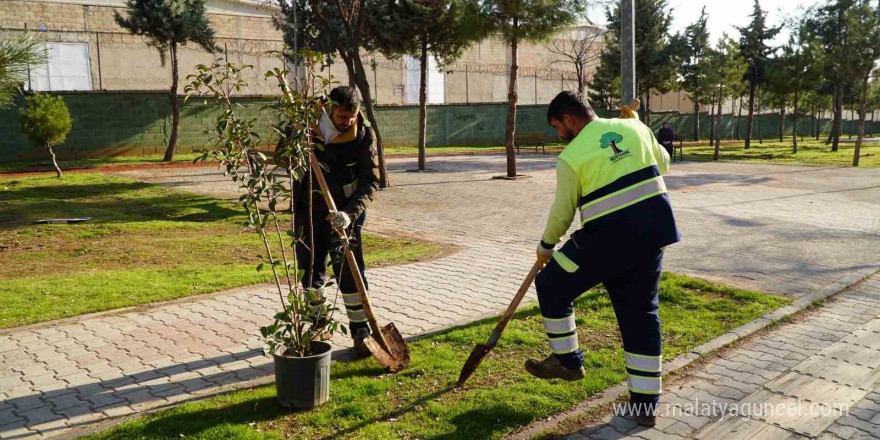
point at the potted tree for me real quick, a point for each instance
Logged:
(295, 338)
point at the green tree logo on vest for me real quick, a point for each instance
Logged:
(611, 139)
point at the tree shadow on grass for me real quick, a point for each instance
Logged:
(110, 203)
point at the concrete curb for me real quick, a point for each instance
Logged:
(680, 362)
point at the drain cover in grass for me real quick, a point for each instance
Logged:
(63, 220)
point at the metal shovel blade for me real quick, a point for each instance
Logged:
(389, 348)
(473, 361)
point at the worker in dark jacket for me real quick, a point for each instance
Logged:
(666, 138)
(346, 147)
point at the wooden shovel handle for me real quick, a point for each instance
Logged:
(511, 309)
(349, 256)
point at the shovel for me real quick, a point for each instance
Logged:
(481, 350)
(385, 344)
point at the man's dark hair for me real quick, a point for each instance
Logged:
(345, 97)
(568, 103)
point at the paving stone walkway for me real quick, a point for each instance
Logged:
(816, 378)
(790, 230)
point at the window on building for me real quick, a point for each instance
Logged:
(436, 81)
(68, 69)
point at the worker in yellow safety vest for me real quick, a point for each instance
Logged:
(611, 171)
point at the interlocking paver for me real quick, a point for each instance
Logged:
(755, 226)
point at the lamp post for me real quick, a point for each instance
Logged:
(627, 52)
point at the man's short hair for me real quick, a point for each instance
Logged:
(568, 103)
(345, 97)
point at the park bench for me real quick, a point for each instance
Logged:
(679, 147)
(530, 139)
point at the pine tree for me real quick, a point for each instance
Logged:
(693, 50)
(755, 51)
(440, 28)
(518, 21)
(168, 24)
(604, 90)
(863, 19)
(655, 57)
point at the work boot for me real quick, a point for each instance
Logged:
(551, 368)
(641, 415)
(645, 419)
(360, 349)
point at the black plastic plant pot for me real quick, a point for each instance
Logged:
(303, 382)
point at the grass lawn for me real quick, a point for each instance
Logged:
(810, 152)
(422, 403)
(145, 243)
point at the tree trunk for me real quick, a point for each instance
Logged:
(511, 107)
(838, 116)
(852, 121)
(696, 119)
(782, 123)
(862, 114)
(54, 162)
(423, 105)
(751, 115)
(175, 110)
(647, 113)
(353, 61)
(718, 121)
(712, 119)
(739, 117)
(796, 117)
(579, 71)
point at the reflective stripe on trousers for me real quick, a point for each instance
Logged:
(562, 334)
(353, 307)
(644, 384)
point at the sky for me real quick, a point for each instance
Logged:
(724, 15)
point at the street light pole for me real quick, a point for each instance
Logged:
(627, 52)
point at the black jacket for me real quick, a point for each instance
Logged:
(351, 169)
(665, 135)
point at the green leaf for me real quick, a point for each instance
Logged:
(260, 267)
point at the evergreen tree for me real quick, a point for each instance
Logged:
(829, 23)
(797, 70)
(17, 55)
(693, 50)
(518, 21)
(755, 50)
(344, 24)
(604, 89)
(167, 25)
(441, 28)
(655, 57)
(863, 21)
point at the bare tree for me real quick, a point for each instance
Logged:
(580, 46)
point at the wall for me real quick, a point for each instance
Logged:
(124, 62)
(108, 124)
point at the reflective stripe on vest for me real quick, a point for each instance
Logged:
(622, 199)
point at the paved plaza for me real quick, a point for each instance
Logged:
(787, 230)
